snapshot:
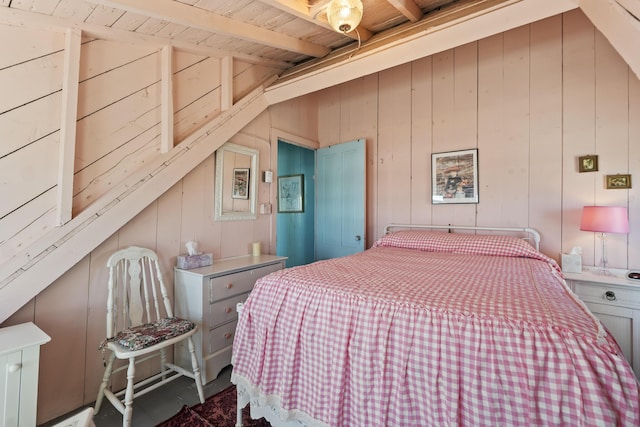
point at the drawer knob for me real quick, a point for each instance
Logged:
(610, 295)
(227, 336)
(15, 367)
(229, 285)
(228, 310)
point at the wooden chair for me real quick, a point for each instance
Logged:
(141, 326)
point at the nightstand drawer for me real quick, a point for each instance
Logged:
(602, 293)
(225, 310)
(222, 336)
(237, 283)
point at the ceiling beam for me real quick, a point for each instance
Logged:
(633, 6)
(302, 10)
(20, 18)
(408, 8)
(409, 43)
(202, 19)
(619, 26)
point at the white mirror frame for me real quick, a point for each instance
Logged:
(253, 187)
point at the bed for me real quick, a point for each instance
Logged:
(430, 328)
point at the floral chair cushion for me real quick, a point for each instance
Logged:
(149, 334)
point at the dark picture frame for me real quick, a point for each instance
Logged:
(240, 183)
(588, 164)
(291, 193)
(455, 177)
(620, 181)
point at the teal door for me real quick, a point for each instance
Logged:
(340, 200)
(295, 230)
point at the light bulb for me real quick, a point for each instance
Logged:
(344, 15)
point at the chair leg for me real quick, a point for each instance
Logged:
(105, 381)
(196, 370)
(163, 362)
(128, 397)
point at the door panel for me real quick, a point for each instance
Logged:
(340, 200)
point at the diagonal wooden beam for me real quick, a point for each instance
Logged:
(408, 8)
(202, 19)
(619, 26)
(30, 271)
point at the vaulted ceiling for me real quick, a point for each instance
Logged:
(295, 36)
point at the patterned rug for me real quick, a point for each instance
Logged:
(218, 411)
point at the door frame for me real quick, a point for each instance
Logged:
(275, 135)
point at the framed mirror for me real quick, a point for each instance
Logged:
(236, 183)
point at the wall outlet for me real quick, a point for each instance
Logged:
(265, 208)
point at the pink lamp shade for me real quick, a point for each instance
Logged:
(605, 219)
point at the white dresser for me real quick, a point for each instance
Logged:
(615, 300)
(208, 297)
(19, 365)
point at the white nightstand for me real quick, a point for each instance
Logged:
(208, 297)
(615, 300)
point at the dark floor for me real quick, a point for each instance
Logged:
(158, 405)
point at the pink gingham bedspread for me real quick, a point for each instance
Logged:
(406, 337)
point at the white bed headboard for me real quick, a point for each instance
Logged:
(529, 234)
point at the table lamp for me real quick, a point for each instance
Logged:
(604, 219)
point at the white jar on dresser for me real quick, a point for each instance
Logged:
(208, 297)
(19, 366)
(615, 300)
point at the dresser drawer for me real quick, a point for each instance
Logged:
(222, 336)
(237, 283)
(601, 293)
(225, 310)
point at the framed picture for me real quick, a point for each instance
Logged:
(618, 181)
(588, 164)
(291, 193)
(455, 177)
(240, 183)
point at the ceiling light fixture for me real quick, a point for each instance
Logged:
(344, 15)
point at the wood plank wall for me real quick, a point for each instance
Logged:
(531, 100)
(118, 130)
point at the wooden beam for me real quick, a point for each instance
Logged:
(29, 272)
(202, 19)
(632, 6)
(408, 8)
(226, 92)
(471, 20)
(21, 18)
(68, 121)
(619, 26)
(166, 142)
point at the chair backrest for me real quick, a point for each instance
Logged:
(137, 293)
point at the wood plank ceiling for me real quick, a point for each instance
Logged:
(281, 33)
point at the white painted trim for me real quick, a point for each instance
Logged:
(166, 142)
(68, 121)
(619, 27)
(431, 40)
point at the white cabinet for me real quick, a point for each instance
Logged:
(615, 300)
(208, 297)
(19, 365)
